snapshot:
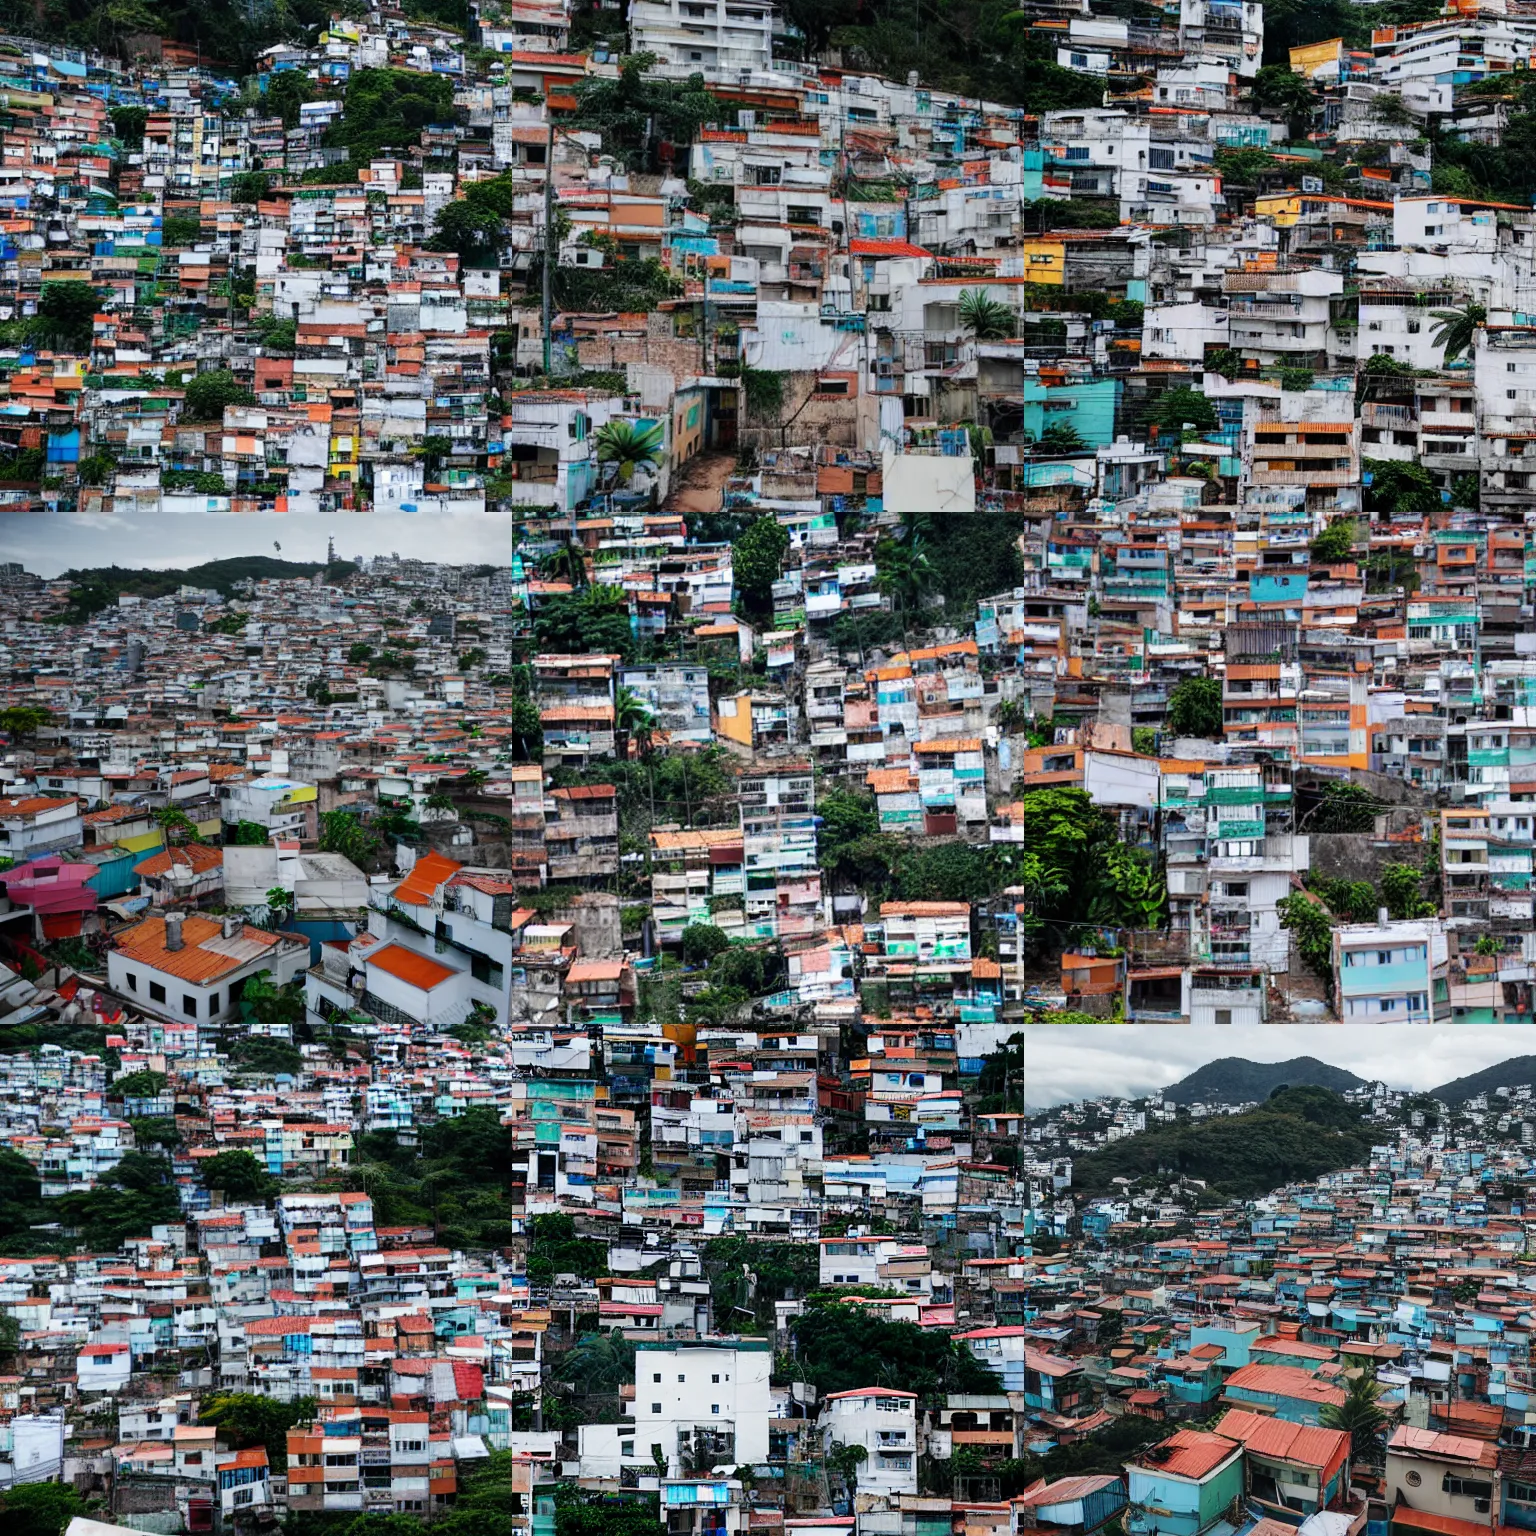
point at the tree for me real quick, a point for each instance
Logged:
(250, 1419)
(1194, 708)
(638, 112)
(387, 109)
(1457, 329)
(841, 1348)
(251, 834)
(1182, 407)
(985, 318)
(211, 393)
(1360, 1415)
(22, 722)
(239, 1174)
(1335, 543)
(756, 560)
(267, 1003)
(702, 942)
(66, 313)
(358, 652)
(1062, 437)
(567, 564)
(1282, 93)
(39, 1509)
(594, 621)
(1307, 921)
(249, 187)
(474, 232)
(1399, 487)
(280, 906)
(341, 832)
(903, 570)
(1401, 887)
(629, 447)
(846, 1459)
(128, 125)
(633, 721)
(1135, 894)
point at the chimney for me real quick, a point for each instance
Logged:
(233, 927)
(173, 938)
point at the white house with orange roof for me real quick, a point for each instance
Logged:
(884, 1423)
(32, 825)
(187, 966)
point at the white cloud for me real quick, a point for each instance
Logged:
(1065, 1063)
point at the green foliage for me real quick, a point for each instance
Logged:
(128, 125)
(555, 1249)
(180, 229)
(387, 109)
(1227, 361)
(473, 232)
(139, 1085)
(209, 394)
(1311, 931)
(903, 571)
(207, 481)
(1401, 892)
(756, 559)
(639, 111)
(764, 392)
(701, 942)
(1181, 407)
(1399, 486)
(626, 285)
(1456, 329)
(251, 834)
(1299, 1133)
(840, 1347)
(1335, 543)
(1296, 378)
(155, 1131)
(341, 832)
(39, 1509)
(246, 1420)
(598, 1514)
(1360, 1415)
(592, 621)
(1194, 708)
(1133, 894)
(21, 722)
(358, 652)
(779, 1271)
(239, 1174)
(985, 318)
(65, 311)
(629, 446)
(267, 1056)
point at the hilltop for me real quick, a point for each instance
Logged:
(1236, 1080)
(1302, 1133)
(95, 588)
(1516, 1072)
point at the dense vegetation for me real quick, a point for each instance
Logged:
(130, 1199)
(1298, 1133)
(95, 588)
(1516, 1072)
(839, 1347)
(456, 1180)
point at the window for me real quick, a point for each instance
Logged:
(716, 1378)
(189, 1005)
(156, 992)
(656, 1377)
(681, 1377)
(133, 981)
(1466, 1487)
(714, 1409)
(655, 1407)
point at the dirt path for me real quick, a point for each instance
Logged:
(700, 487)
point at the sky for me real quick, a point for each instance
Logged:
(1127, 1060)
(48, 545)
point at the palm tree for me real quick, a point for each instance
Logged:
(1062, 437)
(902, 570)
(630, 446)
(632, 721)
(567, 564)
(1458, 328)
(1360, 1415)
(986, 319)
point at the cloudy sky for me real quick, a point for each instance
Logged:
(1081, 1062)
(48, 545)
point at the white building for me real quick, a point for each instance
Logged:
(707, 1402)
(708, 37)
(884, 1422)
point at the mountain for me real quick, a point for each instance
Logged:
(1305, 1132)
(1513, 1073)
(1235, 1080)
